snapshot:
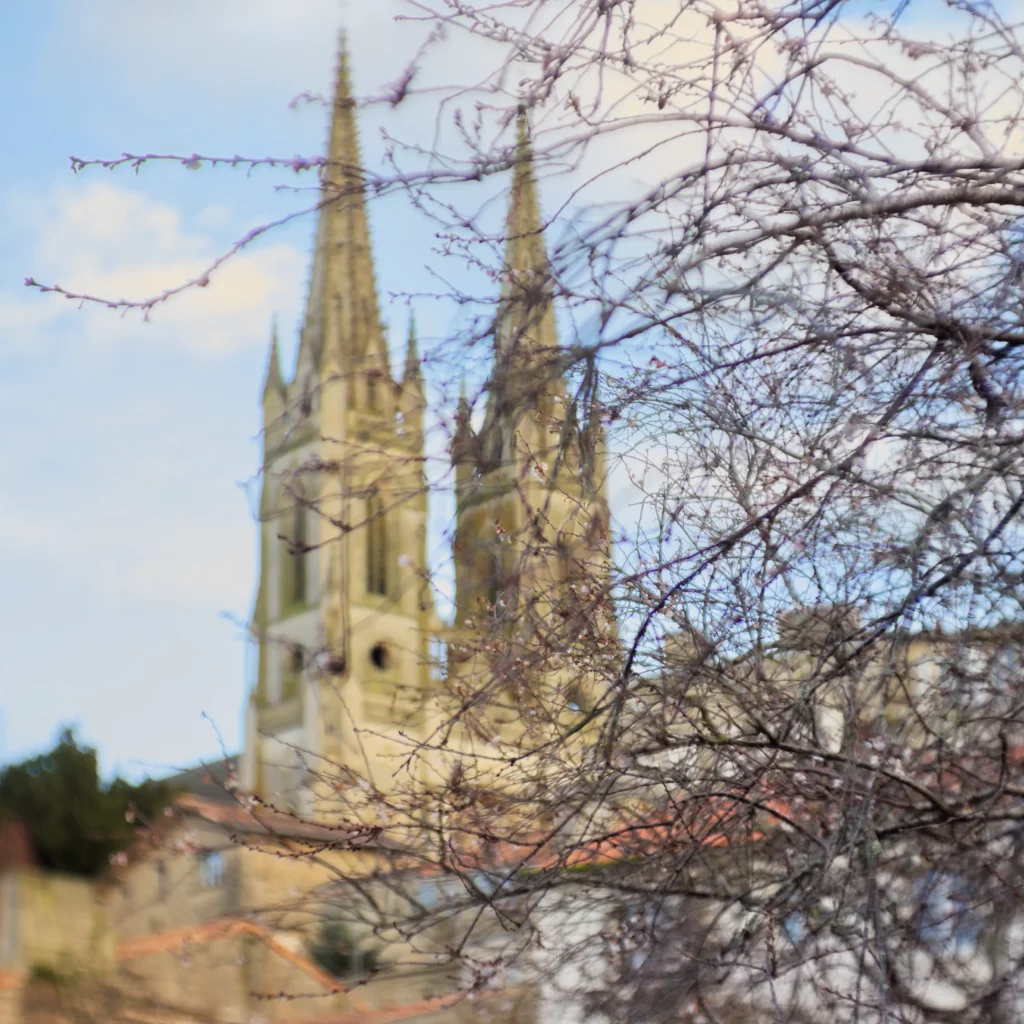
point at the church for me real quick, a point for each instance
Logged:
(349, 673)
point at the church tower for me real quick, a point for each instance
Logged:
(343, 613)
(531, 535)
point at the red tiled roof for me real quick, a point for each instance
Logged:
(179, 938)
(259, 819)
(361, 1012)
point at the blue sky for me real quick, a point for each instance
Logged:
(127, 543)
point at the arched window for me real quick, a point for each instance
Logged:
(376, 380)
(376, 547)
(293, 664)
(299, 550)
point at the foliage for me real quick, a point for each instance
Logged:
(76, 822)
(47, 974)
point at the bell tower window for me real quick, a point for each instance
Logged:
(299, 549)
(293, 666)
(371, 389)
(380, 657)
(376, 548)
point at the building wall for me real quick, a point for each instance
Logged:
(156, 944)
(50, 921)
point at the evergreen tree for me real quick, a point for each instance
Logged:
(75, 821)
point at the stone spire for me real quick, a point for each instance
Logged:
(413, 400)
(526, 319)
(523, 513)
(273, 382)
(527, 371)
(462, 435)
(413, 375)
(342, 313)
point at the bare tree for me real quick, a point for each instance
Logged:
(785, 782)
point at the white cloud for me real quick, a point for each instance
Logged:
(116, 242)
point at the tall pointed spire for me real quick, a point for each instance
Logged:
(412, 356)
(526, 317)
(524, 246)
(342, 312)
(526, 363)
(413, 400)
(272, 380)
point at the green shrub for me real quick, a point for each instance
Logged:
(76, 823)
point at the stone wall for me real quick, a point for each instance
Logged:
(53, 921)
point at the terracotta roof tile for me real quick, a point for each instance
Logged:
(11, 980)
(178, 938)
